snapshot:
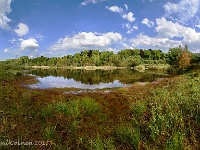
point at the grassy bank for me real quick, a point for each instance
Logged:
(158, 115)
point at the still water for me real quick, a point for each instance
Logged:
(90, 79)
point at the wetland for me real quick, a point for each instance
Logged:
(119, 109)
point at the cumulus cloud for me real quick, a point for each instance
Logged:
(169, 34)
(129, 17)
(25, 47)
(170, 29)
(154, 42)
(183, 11)
(4, 10)
(30, 44)
(147, 22)
(85, 2)
(86, 40)
(22, 29)
(115, 9)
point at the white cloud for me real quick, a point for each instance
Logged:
(22, 29)
(198, 26)
(183, 11)
(85, 2)
(40, 37)
(129, 17)
(115, 9)
(12, 41)
(169, 29)
(86, 40)
(4, 10)
(147, 22)
(145, 41)
(30, 44)
(169, 34)
(130, 28)
(172, 30)
(126, 6)
(135, 27)
(6, 50)
(110, 49)
(147, 0)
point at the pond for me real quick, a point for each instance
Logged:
(90, 79)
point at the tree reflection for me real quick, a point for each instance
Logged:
(125, 76)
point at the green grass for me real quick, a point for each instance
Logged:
(170, 115)
(156, 66)
(76, 108)
(176, 141)
(100, 143)
(49, 133)
(127, 134)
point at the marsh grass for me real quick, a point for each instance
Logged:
(74, 112)
(176, 141)
(102, 143)
(49, 132)
(174, 114)
(127, 134)
(76, 108)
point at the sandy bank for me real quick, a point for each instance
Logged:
(82, 67)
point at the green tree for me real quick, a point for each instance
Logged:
(124, 53)
(173, 56)
(195, 58)
(95, 58)
(157, 54)
(23, 60)
(147, 54)
(105, 57)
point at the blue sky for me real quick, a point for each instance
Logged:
(55, 28)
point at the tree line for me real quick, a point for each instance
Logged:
(124, 58)
(179, 58)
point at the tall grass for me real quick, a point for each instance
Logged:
(74, 111)
(169, 115)
(75, 108)
(128, 135)
(102, 143)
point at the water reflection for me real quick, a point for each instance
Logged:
(61, 82)
(89, 79)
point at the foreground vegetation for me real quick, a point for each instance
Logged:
(159, 115)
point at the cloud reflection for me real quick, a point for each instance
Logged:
(61, 82)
